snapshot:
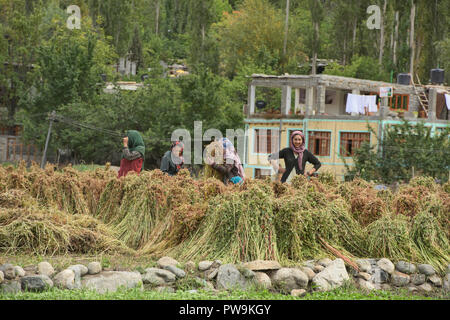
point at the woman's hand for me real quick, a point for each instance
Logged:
(125, 142)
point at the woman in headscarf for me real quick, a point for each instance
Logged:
(231, 168)
(173, 160)
(133, 153)
(295, 156)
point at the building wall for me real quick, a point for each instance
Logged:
(333, 163)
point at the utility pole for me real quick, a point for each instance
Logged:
(44, 156)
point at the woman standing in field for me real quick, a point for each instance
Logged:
(133, 153)
(295, 156)
(173, 160)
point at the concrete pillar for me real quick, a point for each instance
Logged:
(286, 94)
(297, 100)
(251, 100)
(309, 101)
(384, 107)
(432, 98)
(321, 89)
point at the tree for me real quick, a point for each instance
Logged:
(315, 6)
(252, 36)
(402, 149)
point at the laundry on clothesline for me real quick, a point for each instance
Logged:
(447, 100)
(361, 104)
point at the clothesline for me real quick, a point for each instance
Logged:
(360, 103)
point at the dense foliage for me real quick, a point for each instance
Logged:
(404, 151)
(47, 66)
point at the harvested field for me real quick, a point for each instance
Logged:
(68, 211)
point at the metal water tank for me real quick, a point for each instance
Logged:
(404, 78)
(437, 76)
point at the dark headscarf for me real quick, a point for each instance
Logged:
(136, 143)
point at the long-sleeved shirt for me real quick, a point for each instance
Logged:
(291, 161)
(130, 155)
(167, 165)
(229, 170)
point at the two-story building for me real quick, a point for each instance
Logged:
(317, 105)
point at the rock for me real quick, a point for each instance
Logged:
(399, 279)
(412, 289)
(152, 279)
(446, 285)
(366, 285)
(216, 264)
(263, 280)
(247, 273)
(155, 275)
(176, 271)
(318, 268)
(166, 261)
(189, 266)
(426, 269)
(110, 281)
(11, 287)
(80, 269)
(298, 292)
(8, 271)
(36, 283)
(331, 277)
(310, 264)
(386, 265)
(46, 269)
(163, 289)
(435, 280)
(259, 265)
(65, 279)
(2, 277)
(417, 278)
(324, 262)
(379, 275)
(229, 277)
(288, 279)
(210, 274)
(364, 265)
(405, 267)
(204, 265)
(364, 275)
(308, 271)
(19, 272)
(425, 287)
(94, 267)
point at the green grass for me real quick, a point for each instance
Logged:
(343, 293)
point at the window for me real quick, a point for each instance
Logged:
(350, 141)
(399, 102)
(319, 143)
(262, 173)
(265, 141)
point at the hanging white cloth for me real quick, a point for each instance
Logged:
(371, 103)
(447, 100)
(353, 103)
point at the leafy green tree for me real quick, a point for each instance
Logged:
(402, 149)
(360, 68)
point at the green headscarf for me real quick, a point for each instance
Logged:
(135, 142)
